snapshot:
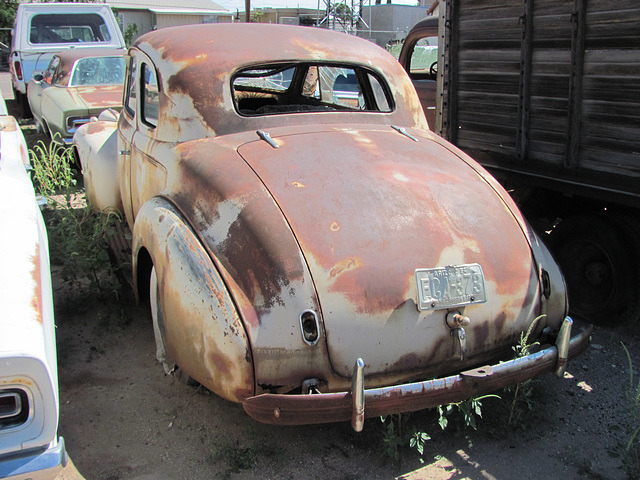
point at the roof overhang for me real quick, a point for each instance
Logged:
(186, 11)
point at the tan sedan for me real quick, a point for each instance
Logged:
(77, 85)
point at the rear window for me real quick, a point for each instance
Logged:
(68, 28)
(98, 71)
(306, 87)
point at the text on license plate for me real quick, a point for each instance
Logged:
(451, 286)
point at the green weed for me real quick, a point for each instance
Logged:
(394, 437)
(469, 409)
(523, 392)
(396, 433)
(52, 168)
(77, 236)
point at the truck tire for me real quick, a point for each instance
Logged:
(23, 104)
(599, 255)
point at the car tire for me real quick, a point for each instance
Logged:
(599, 255)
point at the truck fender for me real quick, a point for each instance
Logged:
(196, 320)
(96, 149)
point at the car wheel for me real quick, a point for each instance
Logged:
(45, 129)
(600, 256)
(167, 362)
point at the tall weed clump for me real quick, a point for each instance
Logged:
(77, 236)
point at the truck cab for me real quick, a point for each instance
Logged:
(43, 29)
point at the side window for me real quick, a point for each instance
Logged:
(51, 70)
(378, 93)
(150, 96)
(424, 58)
(334, 86)
(130, 96)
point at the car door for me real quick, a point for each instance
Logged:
(126, 131)
(37, 85)
(145, 176)
(419, 57)
(148, 174)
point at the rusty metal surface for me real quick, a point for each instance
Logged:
(364, 226)
(195, 76)
(336, 407)
(202, 330)
(245, 237)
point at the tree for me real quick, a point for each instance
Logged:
(130, 32)
(257, 16)
(8, 10)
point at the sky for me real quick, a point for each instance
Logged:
(232, 5)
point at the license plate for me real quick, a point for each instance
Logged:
(451, 286)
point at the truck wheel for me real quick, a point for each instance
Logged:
(23, 104)
(600, 258)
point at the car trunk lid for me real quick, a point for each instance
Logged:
(97, 97)
(370, 206)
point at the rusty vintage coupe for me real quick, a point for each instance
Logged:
(309, 248)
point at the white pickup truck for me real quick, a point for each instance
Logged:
(29, 408)
(42, 29)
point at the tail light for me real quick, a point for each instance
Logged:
(14, 408)
(17, 67)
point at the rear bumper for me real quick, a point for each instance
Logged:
(43, 464)
(343, 406)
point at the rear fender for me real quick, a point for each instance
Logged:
(197, 318)
(553, 288)
(97, 151)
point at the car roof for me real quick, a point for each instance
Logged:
(198, 62)
(243, 43)
(429, 22)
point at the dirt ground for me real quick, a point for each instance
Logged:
(122, 418)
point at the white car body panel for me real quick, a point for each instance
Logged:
(29, 444)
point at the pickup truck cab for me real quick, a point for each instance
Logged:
(42, 29)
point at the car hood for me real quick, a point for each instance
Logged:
(367, 208)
